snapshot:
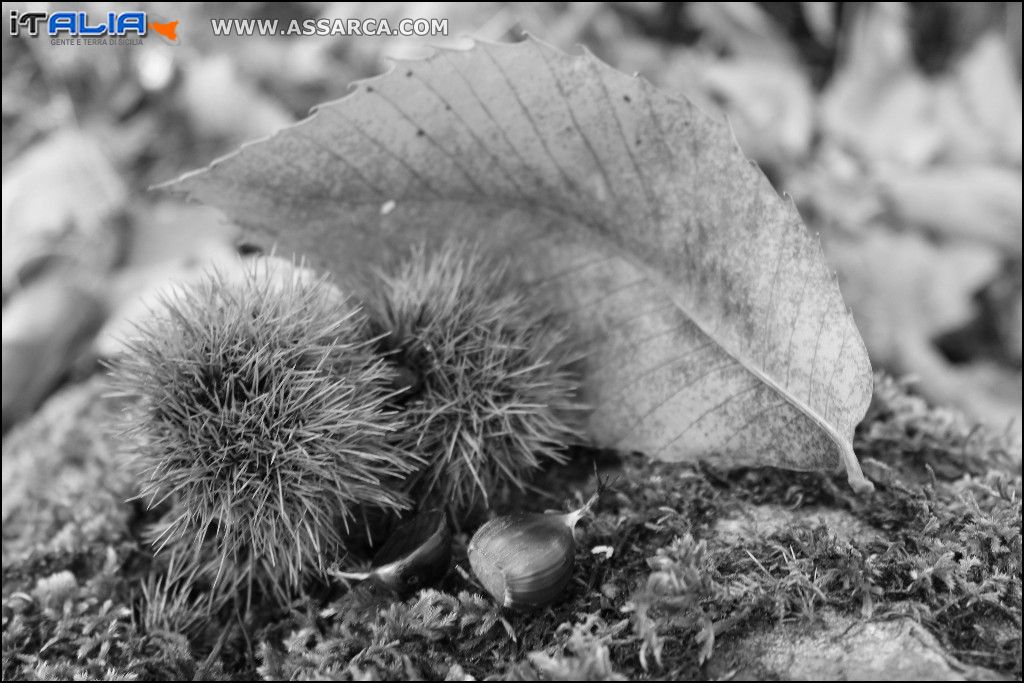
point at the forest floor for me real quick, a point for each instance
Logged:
(684, 572)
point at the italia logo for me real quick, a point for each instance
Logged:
(80, 24)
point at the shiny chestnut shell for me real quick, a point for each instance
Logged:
(524, 560)
(417, 554)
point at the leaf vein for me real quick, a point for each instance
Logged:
(430, 138)
(712, 409)
(792, 330)
(671, 395)
(397, 157)
(570, 184)
(650, 203)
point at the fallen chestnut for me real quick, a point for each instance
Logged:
(417, 554)
(525, 560)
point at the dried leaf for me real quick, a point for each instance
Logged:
(930, 292)
(978, 202)
(990, 91)
(769, 104)
(46, 325)
(820, 18)
(902, 309)
(715, 326)
(222, 103)
(59, 202)
(741, 28)
(878, 102)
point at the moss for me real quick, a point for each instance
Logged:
(76, 625)
(674, 598)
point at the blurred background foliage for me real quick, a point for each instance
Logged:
(895, 127)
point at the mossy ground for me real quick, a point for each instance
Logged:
(939, 543)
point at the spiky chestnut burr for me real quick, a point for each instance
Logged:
(262, 414)
(491, 388)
